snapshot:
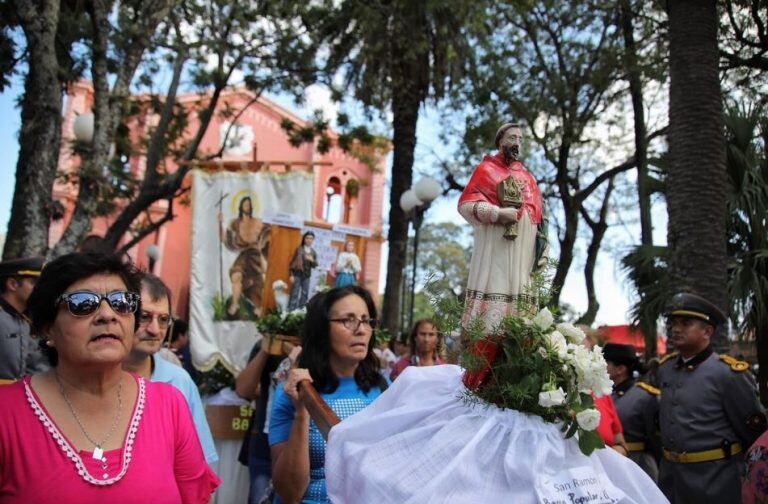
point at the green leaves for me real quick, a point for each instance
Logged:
(589, 441)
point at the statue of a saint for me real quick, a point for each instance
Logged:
(504, 206)
(249, 237)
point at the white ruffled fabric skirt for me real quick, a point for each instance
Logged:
(422, 442)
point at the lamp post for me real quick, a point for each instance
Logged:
(415, 202)
(83, 126)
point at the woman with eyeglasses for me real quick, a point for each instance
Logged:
(86, 431)
(337, 357)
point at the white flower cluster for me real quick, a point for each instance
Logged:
(587, 367)
(591, 369)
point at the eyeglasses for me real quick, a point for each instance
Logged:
(352, 323)
(163, 320)
(84, 303)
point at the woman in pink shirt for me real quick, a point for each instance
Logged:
(87, 431)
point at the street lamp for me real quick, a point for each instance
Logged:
(83, 126)
(415, 202)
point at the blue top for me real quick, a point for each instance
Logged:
(167, 372)
(345, 401)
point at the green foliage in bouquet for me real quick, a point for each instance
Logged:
(542, 369)
(288, 324)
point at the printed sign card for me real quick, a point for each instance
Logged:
(577, 485)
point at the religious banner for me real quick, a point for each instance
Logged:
(230, 250)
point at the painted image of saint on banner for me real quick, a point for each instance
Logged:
(249, 238)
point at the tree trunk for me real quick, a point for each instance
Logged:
(567, 242)
(634, 78)
(405, 111)
(107, 107)
(599, 228)
(697, 184)
(40, 135)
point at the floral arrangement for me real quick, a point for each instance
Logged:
(287, 324)
(541, 368)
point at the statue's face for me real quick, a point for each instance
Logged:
(510, 144)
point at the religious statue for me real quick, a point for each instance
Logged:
(303, 262)
(503, 204)
(347, 266)
(249, 237)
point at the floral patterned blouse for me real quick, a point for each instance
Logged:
(754, 485)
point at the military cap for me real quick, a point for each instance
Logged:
(622, 355)
(28, 266)
(691, 305)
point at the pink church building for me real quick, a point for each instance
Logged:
(346, 190)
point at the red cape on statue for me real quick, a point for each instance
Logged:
(490, 172)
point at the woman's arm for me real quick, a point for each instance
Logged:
(290, 461)
(290, 458)
(247, 382)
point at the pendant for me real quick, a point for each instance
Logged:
(98, 453)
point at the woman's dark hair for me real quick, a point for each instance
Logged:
(304, 236)
(241, 212)
(415, 330)
(316, 342)
(56, 278)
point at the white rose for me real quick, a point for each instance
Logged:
(543, 352)
(591, 370)
(571, 332)
(543, 320)
(558, 343)
(549, 398)
(588, 419)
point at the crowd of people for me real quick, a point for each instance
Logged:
(106, 407)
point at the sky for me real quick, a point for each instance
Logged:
(612, 289)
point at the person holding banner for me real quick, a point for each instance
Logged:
(338, 359)
(301, 266)
(347, 266)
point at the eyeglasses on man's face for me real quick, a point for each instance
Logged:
(163, 319)
(353, 323)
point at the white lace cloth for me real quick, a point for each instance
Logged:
(421, 442)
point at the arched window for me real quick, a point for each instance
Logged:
(333, 206)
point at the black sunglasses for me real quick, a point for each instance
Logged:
(84, 303)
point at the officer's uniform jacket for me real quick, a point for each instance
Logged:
(637, 406)
(19, 352)
(706, 404)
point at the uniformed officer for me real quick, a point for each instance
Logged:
(19, 352)
(709, 412)
(637, 406)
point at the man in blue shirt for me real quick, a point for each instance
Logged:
(155, 319)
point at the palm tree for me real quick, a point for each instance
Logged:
(397, 54)
(748, 229)
(696, 183)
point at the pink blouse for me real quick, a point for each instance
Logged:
(161, 460)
